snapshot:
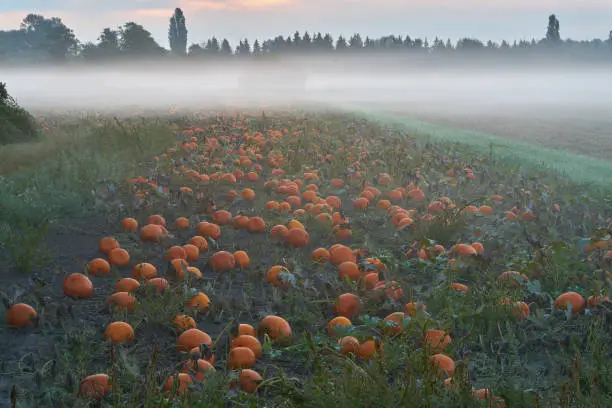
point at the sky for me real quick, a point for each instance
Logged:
(262, 19)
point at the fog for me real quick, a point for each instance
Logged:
(468, 90)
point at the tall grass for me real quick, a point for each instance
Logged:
(54, 177)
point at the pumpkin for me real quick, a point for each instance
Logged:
(249, 380)
(95, 386)
(276, 327)
(241, 357)
(78, 285)
(192, 338)
(21, 315)
(222, 261)
(119, 332)
(337, 325)
(98, 267)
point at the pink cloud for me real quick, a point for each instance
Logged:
(265, 3)
(552, 5)
(11, 19)
(237, 5)
(196, 5)
(150, 12)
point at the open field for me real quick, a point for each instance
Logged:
(562, 158)
(564, 107)
(385, 255)
(575, 129)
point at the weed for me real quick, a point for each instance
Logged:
(26, 249)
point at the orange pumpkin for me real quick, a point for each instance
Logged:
(443, 364)
(249, 380)
(249, 341)
(337, 325)
(276, 327)
(348, 345)
(21, 315)
(99, 267)
(222, 261)
(574, 299)
(95, 386)
(78, 285)
(241, 357)
(192, 338)
(119, 332)
(297, 237)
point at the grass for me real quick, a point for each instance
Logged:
(72, 167)
(68, 174)
(578, 168)
(553, 358)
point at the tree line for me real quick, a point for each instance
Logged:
(41, 39)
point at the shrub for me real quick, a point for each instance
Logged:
(16, 124)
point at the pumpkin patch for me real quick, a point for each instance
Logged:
(287, 250)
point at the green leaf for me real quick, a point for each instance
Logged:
(534, 287)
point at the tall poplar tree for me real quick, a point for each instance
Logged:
(177, 33)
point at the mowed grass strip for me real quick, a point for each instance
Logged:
(582, 169)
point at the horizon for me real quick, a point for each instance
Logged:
(266, 19)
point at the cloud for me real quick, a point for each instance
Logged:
(482, 5)
(150, 12)
(265, 3)
(11, 19)
(237, 5)
(82, 6)
(197, 5)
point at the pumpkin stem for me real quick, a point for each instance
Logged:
(14, 396)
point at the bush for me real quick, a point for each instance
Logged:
(16, 124)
